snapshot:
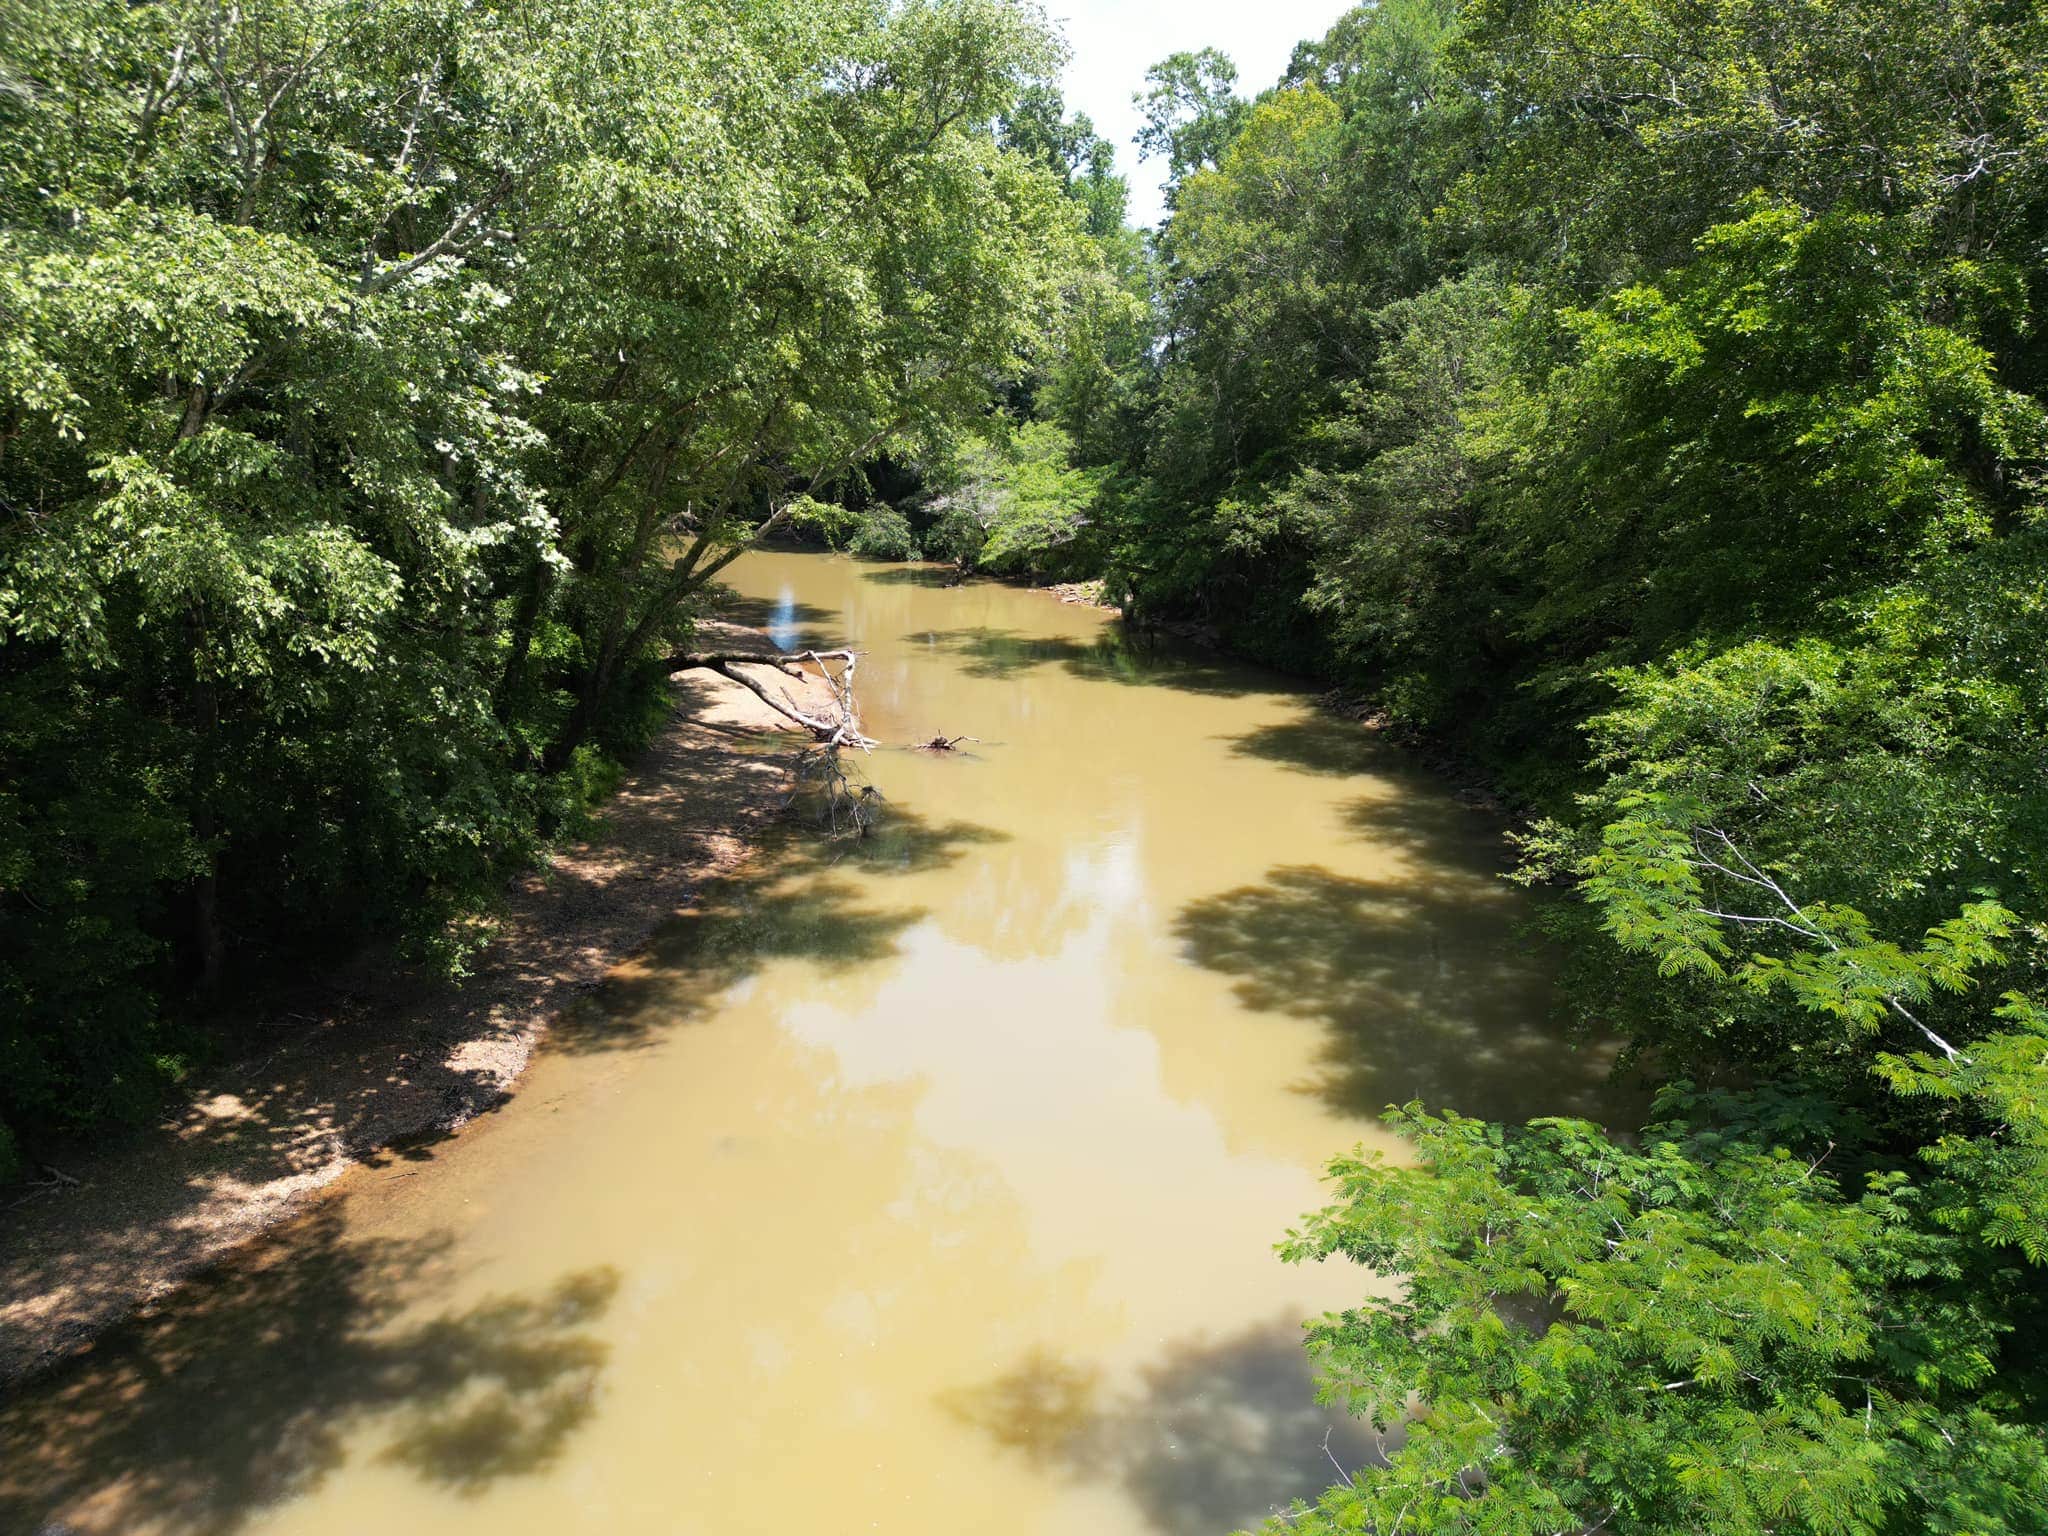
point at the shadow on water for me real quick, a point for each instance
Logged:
(1217, 1436)
(1430, 831)
(1112, 654)
(918, 576)
(1316, 743)
(275, 1359)
(1422, 987)
(794, 900)
(780, 616)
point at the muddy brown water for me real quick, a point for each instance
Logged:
(925, 1186)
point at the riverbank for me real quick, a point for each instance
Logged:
(375, 1063)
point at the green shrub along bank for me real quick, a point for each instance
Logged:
(1647, 398)
(381, 385)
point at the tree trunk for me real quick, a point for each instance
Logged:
(591, 696)
(206, 908)
(525, 621)
(205, 893)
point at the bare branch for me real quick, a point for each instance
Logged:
(831, 732)
(1800, 923)
(841, 728)
(449, 242)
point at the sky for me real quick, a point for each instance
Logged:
(1115, 41)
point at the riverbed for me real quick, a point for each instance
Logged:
(919, 1185)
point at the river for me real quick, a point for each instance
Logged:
(927, 1185)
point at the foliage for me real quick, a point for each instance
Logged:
(1709, 1332)
(1011, 503)
(828, 520)
(380, 387)
(1308, 219)
(1191, 112)
(1386, 497)
(1038, 126)
(1665, 119)
(885, 534)
(1650, 399)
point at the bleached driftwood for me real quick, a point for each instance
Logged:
(848, 806)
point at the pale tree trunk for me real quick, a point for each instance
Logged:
(847, 806)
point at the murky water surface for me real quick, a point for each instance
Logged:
(928, 1187)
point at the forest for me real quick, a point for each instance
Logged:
(1647, 399)
(1644, 402)
(384, 385)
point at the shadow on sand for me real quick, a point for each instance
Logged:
(377, 1054)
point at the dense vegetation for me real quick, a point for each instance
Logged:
(381, 384)
(1647, 397)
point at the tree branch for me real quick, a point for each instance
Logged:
(449, 240)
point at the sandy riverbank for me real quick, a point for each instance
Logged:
(378, 1059)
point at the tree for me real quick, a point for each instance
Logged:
(1317, 212)
(877, 279)
(1191, 113)
(1648, 400)
(1706, 1332)
(1713, 1331)
(1085, 162)
(381, 388)
(1010, 502)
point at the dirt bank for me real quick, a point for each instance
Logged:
(379, 1058)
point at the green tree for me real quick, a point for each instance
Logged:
(1649, 398)
(1764, 1317)
(1038, 127)
(381, 386)
(1191, 112)
(1706, 1332)
(1010, 502)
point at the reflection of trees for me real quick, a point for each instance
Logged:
(1419, 982)
(1217, 1436)
(243, 1392)
(941, 576)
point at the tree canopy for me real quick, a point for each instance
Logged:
(382, 385)
(1647, 400)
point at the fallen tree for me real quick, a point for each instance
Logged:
(848, 805)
